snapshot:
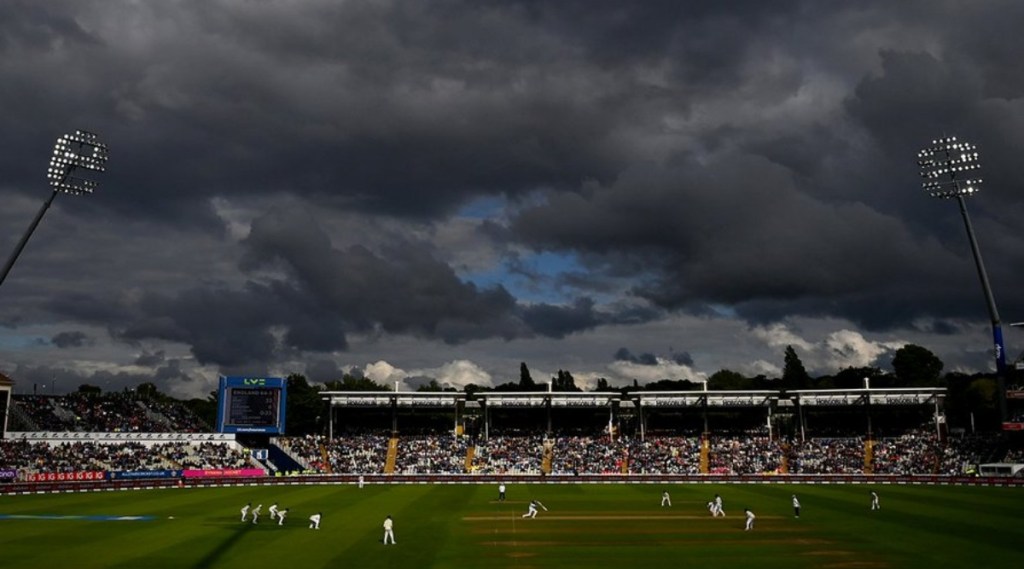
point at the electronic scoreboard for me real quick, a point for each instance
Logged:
(251, 405)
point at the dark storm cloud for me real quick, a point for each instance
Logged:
(648, 359)
(418, 381)
(321, 370)
(358, 104)
(361, 103)
(747, 237)
(37, 25)
(748, 159)
(624, 355)
(944, 328)
(73, 339)
(404, 290)
(305, 295)
(682, 358)
(151, 359)
(45, 380)
(171, 371)
(228, 327)
(560, 321)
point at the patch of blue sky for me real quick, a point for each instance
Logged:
(532, 277)
(552, 264)
(20, 341)
(723, 310)
(484, 207)
(498, 207)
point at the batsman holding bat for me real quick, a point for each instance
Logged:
(531, 511)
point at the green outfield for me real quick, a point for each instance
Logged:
(463, 526)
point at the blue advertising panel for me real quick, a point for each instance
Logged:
(144, 474)
(251, 405)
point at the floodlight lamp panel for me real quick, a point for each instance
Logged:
(82, 149)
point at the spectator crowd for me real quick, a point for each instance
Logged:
(121, 412)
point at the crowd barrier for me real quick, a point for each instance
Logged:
(225, 481)
(117, 437)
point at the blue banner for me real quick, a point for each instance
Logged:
(137, 474)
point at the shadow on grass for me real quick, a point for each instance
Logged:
(223, 547)
(155, 559)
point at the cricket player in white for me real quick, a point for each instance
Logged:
(256, 513)
(389, 530)
(874, 501)
(314, 521)
(665, 500)
(718, 506)
(750, 520)
(531, 512)
(796, 507)
(281, 515)
(501, 492)
(245, 511)
(273, 511)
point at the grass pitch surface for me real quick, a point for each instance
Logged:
(465, 527)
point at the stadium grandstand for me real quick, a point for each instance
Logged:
(675, 434)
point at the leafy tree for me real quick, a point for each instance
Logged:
(671, 385)
(727, 379)
(205, 409)
(853, 378)
(761, 381)
(147, 390)
(602, 385)
(350, 382)
(916, 366)
(564, 381)
(526, 382)
(304, 406)
(971, 397)
(89, 389)
(433, 385)
(508, 386)
(471, 388)
(794, 376)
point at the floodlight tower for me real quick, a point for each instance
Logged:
(79, 150)
(947, 167)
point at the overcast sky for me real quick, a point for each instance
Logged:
(442, 190)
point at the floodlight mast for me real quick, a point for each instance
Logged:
(947, 167)
(79, 150)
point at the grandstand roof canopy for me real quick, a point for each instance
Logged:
(702, 398)
(387, 398)
(557, 398)
(886, 396)
(575, 399)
